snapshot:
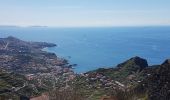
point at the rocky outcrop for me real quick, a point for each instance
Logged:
(134, 64)
(166, 63)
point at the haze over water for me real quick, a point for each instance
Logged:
(92, 48)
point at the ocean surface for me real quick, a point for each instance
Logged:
(92, 48)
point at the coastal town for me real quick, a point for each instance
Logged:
(38, 68)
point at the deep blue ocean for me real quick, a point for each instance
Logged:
(91, 48)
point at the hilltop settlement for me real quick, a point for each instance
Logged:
(29, 73)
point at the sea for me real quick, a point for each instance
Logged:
(99, 47)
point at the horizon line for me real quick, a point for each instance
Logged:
(44, 26)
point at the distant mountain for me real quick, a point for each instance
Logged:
(8, 26)
(13, 26)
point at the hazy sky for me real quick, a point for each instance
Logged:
(72, 13)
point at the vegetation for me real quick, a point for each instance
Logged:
(66, 94)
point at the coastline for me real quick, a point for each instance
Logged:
(31, 68)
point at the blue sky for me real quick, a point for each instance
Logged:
(79, 13)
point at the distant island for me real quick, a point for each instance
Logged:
(28, 73)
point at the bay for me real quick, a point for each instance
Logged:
(92, 48)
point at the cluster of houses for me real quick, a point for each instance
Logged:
(57, 74)
(100, 81)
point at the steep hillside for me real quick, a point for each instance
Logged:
(9, 84)
(130, 80)
(158, 84)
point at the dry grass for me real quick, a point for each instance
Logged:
(66, 94)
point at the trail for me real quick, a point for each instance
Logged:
(6, 46)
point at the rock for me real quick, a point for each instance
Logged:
(167, 62)
(134, 64)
